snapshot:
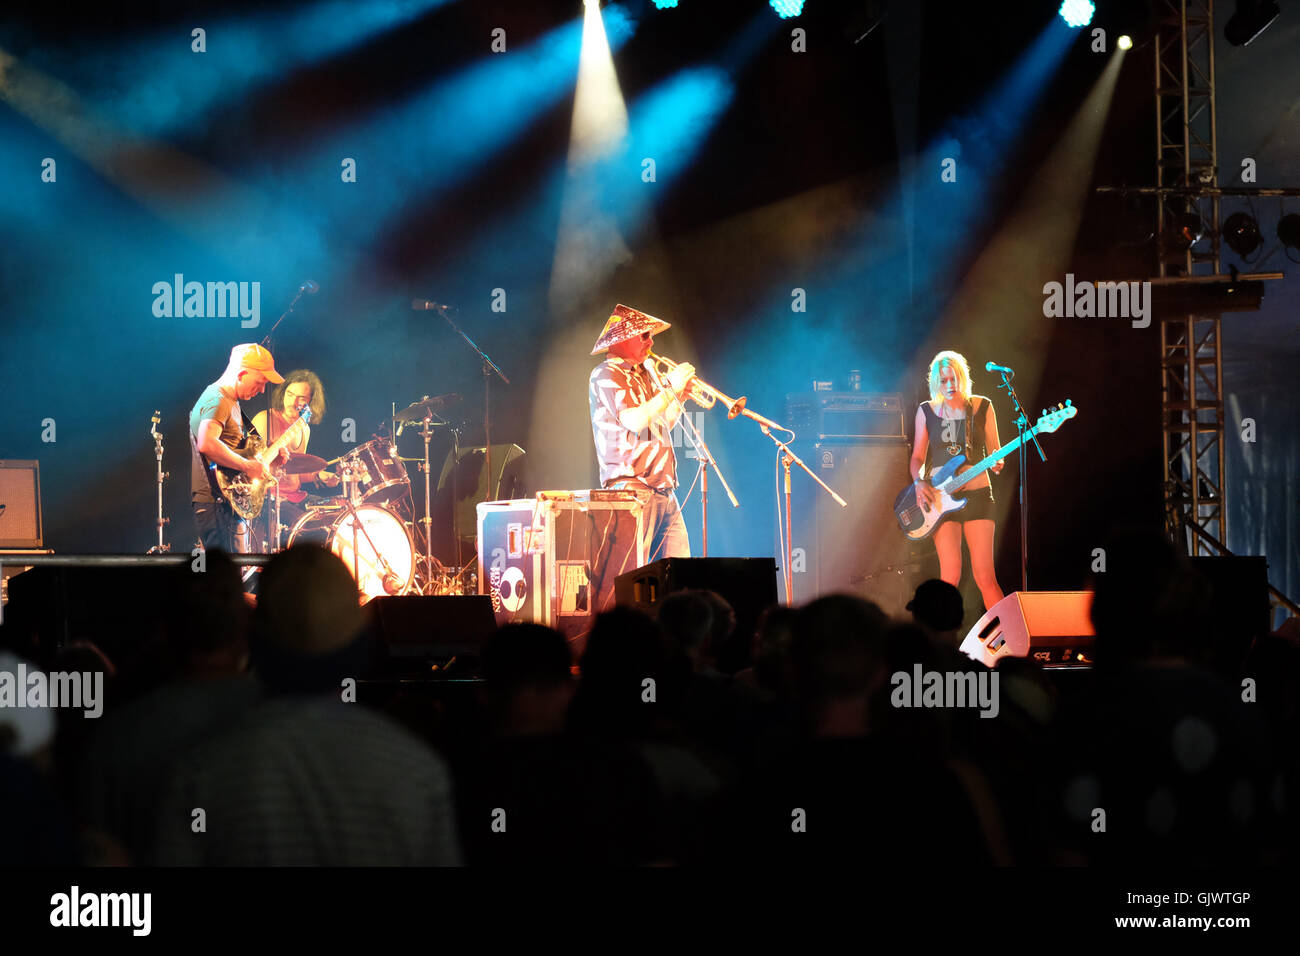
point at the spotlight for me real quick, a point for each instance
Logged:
(665, 4)
(1241, 233)
(1077, 13)
(1125, 42)
(1288, 230)
(1185, 231)
(1251, 19)
(787, 8)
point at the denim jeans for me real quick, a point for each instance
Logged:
(663, 528)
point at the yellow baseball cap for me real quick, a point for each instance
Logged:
(257, 359)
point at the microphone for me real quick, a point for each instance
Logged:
(311, 288)
(991, 367)
(425, 305)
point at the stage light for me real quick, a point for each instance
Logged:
(665, 4)
(1288, 230)
(787, 8)
(1125, 42)
(1077, 13)
(1241, 233)
(1185, 231)
(1250, 20)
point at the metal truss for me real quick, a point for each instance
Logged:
(1190, 355)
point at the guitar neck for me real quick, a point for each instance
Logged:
(989, 461)
(274, 448)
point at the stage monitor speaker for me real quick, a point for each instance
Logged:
(416, 631)
(122, 610)
(1052, 627)
(748, 584)
(20, 504)
(856, 549)
(11, 565)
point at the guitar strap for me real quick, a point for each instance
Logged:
(248, 425)
(209, 467)
(969, 428)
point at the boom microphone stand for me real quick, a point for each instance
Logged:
(788, 458)
(1022, 423)
(488, 368)
(705, 458)
(307, 288)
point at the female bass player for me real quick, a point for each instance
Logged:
(941, 435)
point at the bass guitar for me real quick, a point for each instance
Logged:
(246, 494)
(918, 520)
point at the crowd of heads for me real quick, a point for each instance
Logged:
(643, 751)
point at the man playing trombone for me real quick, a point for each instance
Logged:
(633, 411)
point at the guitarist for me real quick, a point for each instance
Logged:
(301, 389)
(216, 429)
(942, 433)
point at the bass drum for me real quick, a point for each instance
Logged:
(387, 564)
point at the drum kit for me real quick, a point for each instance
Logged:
(370, 525)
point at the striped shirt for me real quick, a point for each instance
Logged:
(309, 781)
(648, 456)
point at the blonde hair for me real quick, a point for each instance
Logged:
(957, 362)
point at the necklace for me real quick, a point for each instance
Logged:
(953, 447)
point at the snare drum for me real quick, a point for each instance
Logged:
(387, 564)
(382, 477)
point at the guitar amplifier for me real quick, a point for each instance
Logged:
(845, 416)
(20, 504)
(552, 559)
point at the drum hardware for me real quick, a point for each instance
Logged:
(426, 432)
(392, 570)
(424, 408)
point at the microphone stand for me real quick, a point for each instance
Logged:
(1022, 423)
(274, 516)
(704, 456)
(160, 547)
(488, 368)
(788, 458)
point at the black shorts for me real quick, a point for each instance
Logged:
(979, 506)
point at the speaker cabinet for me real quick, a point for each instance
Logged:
(857, 549)
(1052, 627)
(463, 484)
(20, 504)
(416, 631)
(748, 584)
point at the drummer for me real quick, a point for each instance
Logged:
(301, 389)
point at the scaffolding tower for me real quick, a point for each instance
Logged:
(1191, 357)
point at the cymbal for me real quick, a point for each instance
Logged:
(417, 411)
(303, 465)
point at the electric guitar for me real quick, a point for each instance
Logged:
(918, 520)
(246, 494)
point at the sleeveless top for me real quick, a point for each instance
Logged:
(277, 425)
(944, 447)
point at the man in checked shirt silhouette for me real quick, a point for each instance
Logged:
(633, 410)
